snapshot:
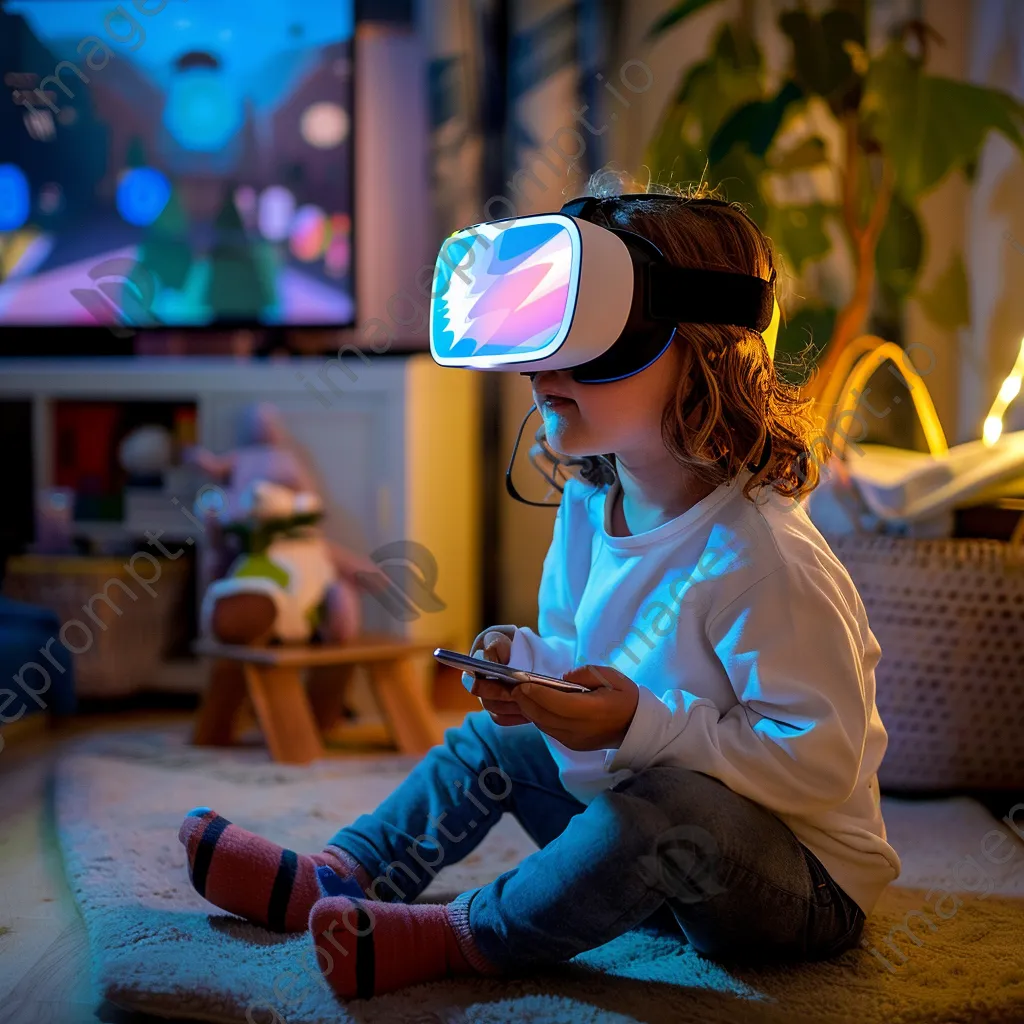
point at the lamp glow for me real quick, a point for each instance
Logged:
(1008, 391)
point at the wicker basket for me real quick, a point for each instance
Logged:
(949, 616)
(115, 654)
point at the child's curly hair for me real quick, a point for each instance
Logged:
(728, 372)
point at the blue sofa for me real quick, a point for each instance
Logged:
(24, 629)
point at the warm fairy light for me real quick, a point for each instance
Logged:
(861, 373)
(1009, 390)
(991, 430)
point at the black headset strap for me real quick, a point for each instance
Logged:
(684, 294)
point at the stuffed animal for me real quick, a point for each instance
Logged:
(285, 582)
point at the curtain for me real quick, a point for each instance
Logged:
(995, 227)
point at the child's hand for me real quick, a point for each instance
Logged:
(494, 644)
(582, 721)
(496, 638)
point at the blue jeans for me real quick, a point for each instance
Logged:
(668, 847)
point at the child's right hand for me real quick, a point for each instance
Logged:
(494, 644)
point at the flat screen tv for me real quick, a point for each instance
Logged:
(176, 163)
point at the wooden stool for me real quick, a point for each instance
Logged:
(291, 718)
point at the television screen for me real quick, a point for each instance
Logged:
(176, 162)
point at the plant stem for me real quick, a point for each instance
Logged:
(851, 319)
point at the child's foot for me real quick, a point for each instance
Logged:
(250, 876)
(367, 948)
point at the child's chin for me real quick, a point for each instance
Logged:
(571, 442)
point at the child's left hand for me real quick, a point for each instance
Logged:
(582, 721)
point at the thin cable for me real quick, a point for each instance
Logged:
(510, 486)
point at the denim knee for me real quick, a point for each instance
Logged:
(682, 827)
(686, 796)
(681, 791)
(627, 820)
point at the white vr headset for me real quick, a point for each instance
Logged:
(557, 291)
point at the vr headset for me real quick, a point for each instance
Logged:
(558, 291)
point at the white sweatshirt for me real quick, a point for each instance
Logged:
(753, 655)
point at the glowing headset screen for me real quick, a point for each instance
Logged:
(503, 290)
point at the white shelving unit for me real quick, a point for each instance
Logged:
(395, 443)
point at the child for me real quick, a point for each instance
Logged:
(720, 775)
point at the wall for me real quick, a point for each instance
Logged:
(393, 233)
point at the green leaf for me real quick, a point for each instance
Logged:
(929, 126)
(736, 46)
(948, 303)
(668, 142)
(675, 161)
(716, 93)
(821, 63)
(808, 153)
(811, 325)
(799, 232)
(754, 124)
(739, 176)
(900, 249)
(672, 17)
(709, 92)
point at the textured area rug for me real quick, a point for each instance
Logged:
(159, 948)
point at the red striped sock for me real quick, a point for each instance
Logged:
(366, 948)
(250, 876)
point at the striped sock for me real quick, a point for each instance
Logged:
(250, 876)
(366, 948)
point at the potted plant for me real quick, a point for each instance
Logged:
(902, 132)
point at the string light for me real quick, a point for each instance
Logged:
(867, 364)
(993, 426)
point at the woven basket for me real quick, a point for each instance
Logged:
(114, 654)
(949, 616)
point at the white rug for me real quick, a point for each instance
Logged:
(160, 948)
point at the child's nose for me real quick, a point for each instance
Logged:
(545, 378)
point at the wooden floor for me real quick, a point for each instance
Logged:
(45, 973)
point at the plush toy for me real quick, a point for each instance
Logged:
(285, 582)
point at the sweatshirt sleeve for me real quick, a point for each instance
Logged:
(551, 649)
(792, 651)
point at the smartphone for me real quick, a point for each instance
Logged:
(502, 673)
